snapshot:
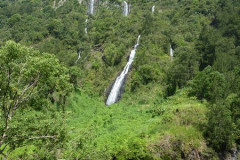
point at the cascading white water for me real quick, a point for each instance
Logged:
(91, 7)
(85, 29)
(54, 4)
(60, 3)
(79, 56)
(153, 9)
(171, 51)
(80, 1)
(125, 8)
(115, 91)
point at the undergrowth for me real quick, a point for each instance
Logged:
(170, 128)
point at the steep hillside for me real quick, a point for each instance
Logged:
(178, 100)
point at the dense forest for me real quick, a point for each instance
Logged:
(60, 59)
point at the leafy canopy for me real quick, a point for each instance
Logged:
(29, 82)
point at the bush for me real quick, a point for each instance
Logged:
(208, 84)
(113, 54)
(220, 128)
(144, 75)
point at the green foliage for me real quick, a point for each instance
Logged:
(30, 81)
(14, 19)
(202, 33)
(233, 103)
(220, 128)
(218, 47)
(208, 84)
(56, 28)
(183, 68)
(113, 54)
(125, 131)
(144, 75)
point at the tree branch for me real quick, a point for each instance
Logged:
(32, 86)
(28, 138)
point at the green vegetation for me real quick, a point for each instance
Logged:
(185, 107)
(128, 131)
(30, 81)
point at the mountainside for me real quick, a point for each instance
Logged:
(170, 67)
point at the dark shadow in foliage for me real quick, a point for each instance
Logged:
(183, 69)
(145, 74)
(208, 84)
(220, 130)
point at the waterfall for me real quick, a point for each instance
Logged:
(153, 9)
(79, 56)
(60, 3)
(85, 29)
(80, 1)
(234, 154)
(119, 82)
(91, 7)
(125, 8)
(171, 51)
(105, 4)
(54, 4)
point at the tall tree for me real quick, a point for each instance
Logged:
(29, 81)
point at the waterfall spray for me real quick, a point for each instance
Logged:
(115, 93)
(79, 56)
(171, 52)
(60, 3)
(85, 29)
(125, 8)
(91, 7)
(80, 1)
(54, 4)
(153, 9)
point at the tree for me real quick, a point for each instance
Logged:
(206, 46)
(145, 74)
(113, 54)
(14, 19)
(220, 128)
(183, 68)
(30, 81)
(56, 28)
(208, 84)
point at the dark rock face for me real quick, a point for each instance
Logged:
(229, 155)
(234, 153)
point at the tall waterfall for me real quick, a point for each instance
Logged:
(125, 8)
(171, 51)
(119, 82)
(153, 9)
(91, 7)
